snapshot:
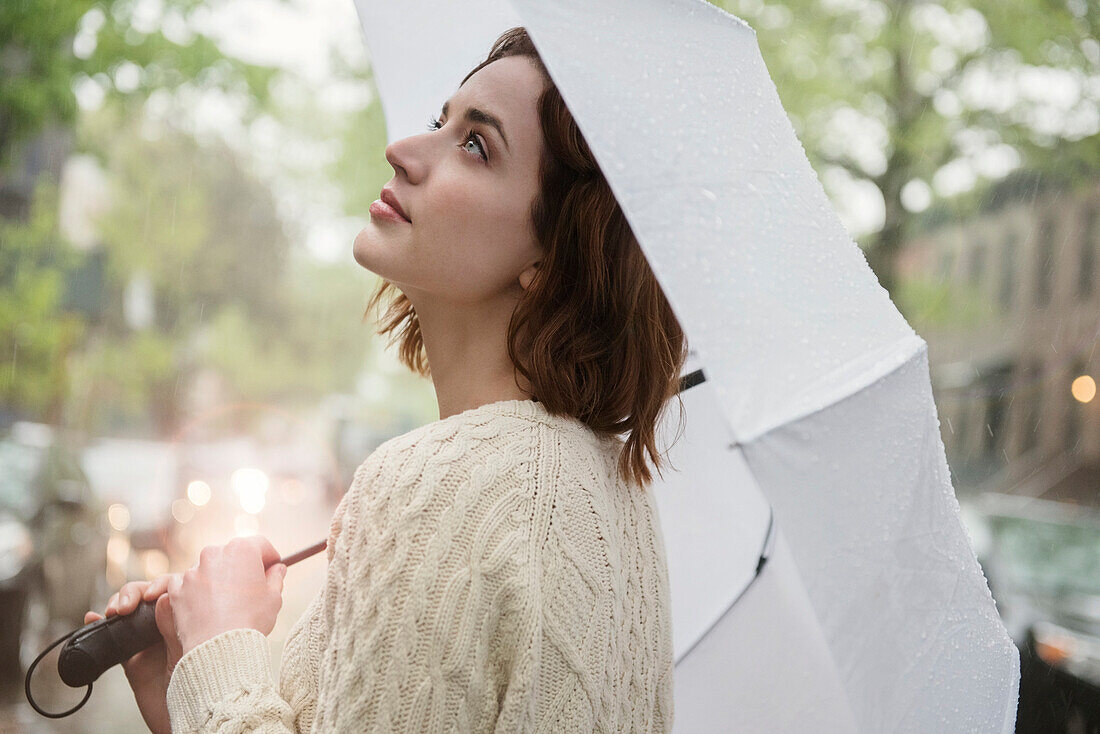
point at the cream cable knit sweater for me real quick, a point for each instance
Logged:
(487, 572)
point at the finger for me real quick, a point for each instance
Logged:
(129, 596)
(158, 586)
(111, 605)
(175, 581)
(166, 623)
(90, 617)
(275, 576)
(268, 553)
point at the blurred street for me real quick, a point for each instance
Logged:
(111, 708)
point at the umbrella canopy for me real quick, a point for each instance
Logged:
(814, 435)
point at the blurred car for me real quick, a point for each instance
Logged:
(52, 543)
(1042, 562)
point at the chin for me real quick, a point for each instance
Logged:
(367, 254)
(361, 249)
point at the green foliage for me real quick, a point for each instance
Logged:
(362, 168)
(901, 66)
(205, 233)
(318, 348)
(188, 217)
(937, 303)
(35, 333)
(868, 56)
(38, 66)
(230, 294)
(35, 77)
(202, 227)
(115, 377)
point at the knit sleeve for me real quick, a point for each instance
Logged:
(422, 578)
(476, 591)
(566, 674)
(225, 686)
(594, 653)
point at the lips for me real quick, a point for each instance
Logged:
(390, 198)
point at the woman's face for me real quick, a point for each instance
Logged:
(469, 236)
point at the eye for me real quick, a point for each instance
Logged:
(434, 124)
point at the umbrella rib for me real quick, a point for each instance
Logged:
(769, 544)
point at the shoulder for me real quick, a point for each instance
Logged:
(454, 446)
(573, 510)
(451, 476)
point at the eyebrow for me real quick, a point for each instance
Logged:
(473, 114)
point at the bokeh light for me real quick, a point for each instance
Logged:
(118, 550)
(198, 492)
(1083, 389)
(183, 511)
(251, 485)
(119, 516)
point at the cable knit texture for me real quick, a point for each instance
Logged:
(487, 572)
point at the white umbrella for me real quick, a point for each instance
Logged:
(871, 613)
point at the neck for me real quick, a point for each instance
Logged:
(467, 352)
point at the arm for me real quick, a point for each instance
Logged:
(225, 685)
(599, 653)
(475, 599)
(562, 673)
(426, 586)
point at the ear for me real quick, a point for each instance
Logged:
(528, 275)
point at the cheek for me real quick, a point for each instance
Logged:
(461, 207)
(476, 228)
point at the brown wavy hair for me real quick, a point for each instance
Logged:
(593, 333)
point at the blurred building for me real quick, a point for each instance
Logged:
(1008, 300)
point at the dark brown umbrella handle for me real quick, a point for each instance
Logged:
(104, 643)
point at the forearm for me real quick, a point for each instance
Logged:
(225, 686)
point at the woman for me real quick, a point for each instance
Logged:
(502, 568)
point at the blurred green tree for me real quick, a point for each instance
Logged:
(937, 83)
(189, 232)
(36, 332)
(362, 168)
(48, 46)
(49, 50)
(196, 235)
(195, 220)
(317, 347)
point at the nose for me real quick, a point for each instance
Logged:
(395, 155)
(410, 155)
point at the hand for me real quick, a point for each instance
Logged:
(228, 589)
(150, 670)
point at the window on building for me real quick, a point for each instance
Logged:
(1086, 276)
(1044, 261)
(1008, 270)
